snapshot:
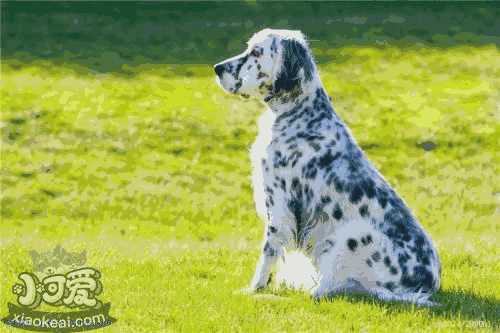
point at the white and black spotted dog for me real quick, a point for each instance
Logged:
(316, 190)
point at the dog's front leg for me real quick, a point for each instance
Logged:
(268, 257)
(277, 236)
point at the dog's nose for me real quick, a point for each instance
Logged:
(219, 69)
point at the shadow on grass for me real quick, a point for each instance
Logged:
(480, 310)
(111, 36)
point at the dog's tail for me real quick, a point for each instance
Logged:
(417, 298)
(296, 271)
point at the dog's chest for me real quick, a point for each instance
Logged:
(284, 155)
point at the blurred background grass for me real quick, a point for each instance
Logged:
(115, 137)
(109, 111)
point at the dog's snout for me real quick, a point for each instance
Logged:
(219, 69)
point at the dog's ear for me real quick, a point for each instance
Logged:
(295, 57)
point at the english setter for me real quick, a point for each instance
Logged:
(314, 187)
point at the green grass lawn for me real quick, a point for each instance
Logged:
(116, 139)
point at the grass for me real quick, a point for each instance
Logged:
(115, 139)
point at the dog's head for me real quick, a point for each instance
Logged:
(276, 64)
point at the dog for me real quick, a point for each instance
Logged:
(316, 190)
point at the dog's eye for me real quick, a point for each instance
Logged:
(255, 53)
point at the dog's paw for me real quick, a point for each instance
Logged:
(318, 294)
(247, 291)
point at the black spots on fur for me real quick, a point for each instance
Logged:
(269, 250)
(297, 112)
(319, 117)
(269, 190)
(356, 194)
(295, 157)
(310, 136)
(382, 197)
(363, 211)
(403, 259)
(368, 186)
(424, 260)
(354, 159)
(352, 244)
(257, 52)
(272, 229)
(390, 286)
(301, 198)
(331, 143)
(309, 193)
(283, 184)
(321, 102)
(369, 262)
(365, 240)
(339, 184)
(421, 279)
(398, 230)
(376, 256)
(400, 227)
(327, 159)
(279, 160)
(310, 170)
(419, 241)
(337, 212)
(314, 145)
(422, 250)
(295, 58)
(325, 199)
(269, 201)
(259, 67)
(395, 201)
(296, 207)
(393, 270)
(240, 63)
(274, 46)
(329, 244)
(237, 85)
(249, 67)
(387, 261)
(261, 75)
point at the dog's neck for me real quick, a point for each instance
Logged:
(285, 101)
